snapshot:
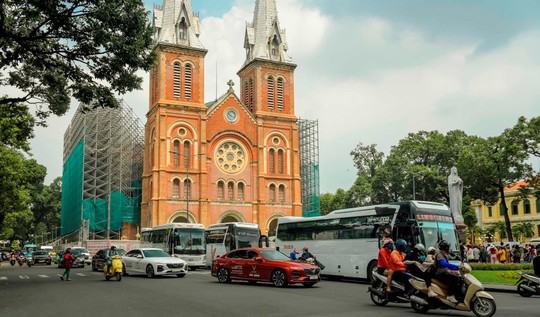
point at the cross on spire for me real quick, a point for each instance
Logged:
(231, 84)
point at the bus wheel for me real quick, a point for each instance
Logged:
(223, 275)
(371, 266)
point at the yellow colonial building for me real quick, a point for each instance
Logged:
(519, 210)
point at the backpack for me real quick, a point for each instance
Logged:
(63, 260)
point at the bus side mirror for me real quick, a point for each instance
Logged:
(264, 242)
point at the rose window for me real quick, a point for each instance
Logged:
(230, 157)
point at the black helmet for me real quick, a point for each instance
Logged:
(444, 246)
(419, 248)
(401, 245)
(113, 247)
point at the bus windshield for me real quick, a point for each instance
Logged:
(247, 238)
(431, 232)
(189, 241)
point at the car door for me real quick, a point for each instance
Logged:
(235, 261)
(253, 269)
(127, 259)
(138, 261)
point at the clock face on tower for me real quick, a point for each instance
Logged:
(231, 115)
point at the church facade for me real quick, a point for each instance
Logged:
(234, 159)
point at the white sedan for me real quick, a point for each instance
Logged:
(153, 262)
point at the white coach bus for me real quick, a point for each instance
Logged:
(224, 237)
(183, 240)
(347, 241)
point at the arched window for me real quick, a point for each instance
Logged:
(281, 193)
(538, 210)
(280, 94)
(271, 160)
(187, 189)
(176, 80)
(187, 81)
(176, 153)
(515, 207)
(246, 94)
(240, 193)
(187, 157)
(176, 188)
(220, 190)
(526, 206)
(280, 161)
(230, 191)
(251, 94)
(270, 93)
(182, 30)
(272, 193)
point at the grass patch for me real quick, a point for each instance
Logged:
(496, 277)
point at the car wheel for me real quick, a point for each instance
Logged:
(181, 275)
(94, 268)
(149, 271)
(223, 275)
(279, 278)
(124, 272)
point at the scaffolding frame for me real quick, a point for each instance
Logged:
(112, 161)
(308, 135)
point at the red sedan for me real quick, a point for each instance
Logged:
(264, 265)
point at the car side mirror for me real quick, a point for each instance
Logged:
(258, 259)
(139, 256)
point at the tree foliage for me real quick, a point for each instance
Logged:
(53, 49)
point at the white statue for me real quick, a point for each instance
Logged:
(455, 191)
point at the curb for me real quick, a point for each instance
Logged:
(499, 289)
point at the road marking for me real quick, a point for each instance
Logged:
(24, 277)
(43, 276)
(81, 274)
(3, 278)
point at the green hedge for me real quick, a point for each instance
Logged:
(501, 267)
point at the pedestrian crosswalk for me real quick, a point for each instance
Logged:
(55, 276)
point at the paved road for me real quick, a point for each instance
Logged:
(38, 291)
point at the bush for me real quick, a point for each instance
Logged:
(501, 267)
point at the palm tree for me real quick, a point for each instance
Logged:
(524, 229)
(497, 227)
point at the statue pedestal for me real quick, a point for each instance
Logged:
(462, 232)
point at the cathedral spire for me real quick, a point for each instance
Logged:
(264, 38)
(175, 23)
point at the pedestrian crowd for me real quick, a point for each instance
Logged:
(501, 253)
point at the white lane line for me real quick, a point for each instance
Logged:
(81, 274)
(3, 278)
(43, 276)
(24, 277)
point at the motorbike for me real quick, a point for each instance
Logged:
(115, 269)
(480, 302)
(29, 260)
(20, 260)
(12, 260)
(528, 285)
(378, 293)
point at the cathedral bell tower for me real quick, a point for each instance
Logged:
(172, 166)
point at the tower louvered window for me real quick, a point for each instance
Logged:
(270, 93)
(271, 160)
(187, 189)
(187, 81)
(176, 153)
(281, 193)
(220, 190)
(272, 193)
(280, 161)
(246, 94)
(176, 188)
(240, 191)
(176, 80)
(280, 94)
(230, 191)
(187, 154)
(251, 95)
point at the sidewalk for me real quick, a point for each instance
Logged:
(501, 288)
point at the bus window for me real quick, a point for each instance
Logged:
(189, 240)
(247, 238)
(305, 230)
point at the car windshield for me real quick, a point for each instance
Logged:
(120, 252)
(247, 238)
(41, 253)
(155, 254)
(273, 255)
(75, 252)
(82, 250)
(189, 241)
(431, 232)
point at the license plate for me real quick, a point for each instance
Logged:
(314, 277)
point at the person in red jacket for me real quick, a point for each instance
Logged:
(68, 263)
(398, 267)
(383, 262)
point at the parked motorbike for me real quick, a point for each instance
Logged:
(378, 293)
(12, 260)
(528, 285)
(480, 302)
(115, 269)
(20, 260)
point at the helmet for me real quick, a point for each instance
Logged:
(113, 247)
(401, 245)
(431, 250)
(420, 248)
(387, 241)
(305, 249)
(444, 246)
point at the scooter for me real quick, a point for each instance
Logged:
(528, 285)
(29, 260)
(115, 269)
(480, 302)
(12, 260)
(20, 260)
(378, 293)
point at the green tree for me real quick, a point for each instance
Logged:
(16, 126)
(359, 194)
(523, 230)
(367, 160)
(327, 199)
(489, 166)
(526, 133)
(46, 208)
(55, 49)
(497, 227)
(470, 219)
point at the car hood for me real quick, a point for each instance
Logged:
(166, 260)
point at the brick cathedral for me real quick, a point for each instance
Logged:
(235, 159)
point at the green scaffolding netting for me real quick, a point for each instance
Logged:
(72, 185)
(311, 207)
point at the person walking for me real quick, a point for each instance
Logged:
(68, 263)
(483, 254)
(517, 254)
(493, 254)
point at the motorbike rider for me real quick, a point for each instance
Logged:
(536, 263)
(418, 269)
(306, 255)
(109, 254)
(383, 262)
(444, 272)
(293, 255)
(398, 267)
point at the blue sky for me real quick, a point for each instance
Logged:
(373, 71)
